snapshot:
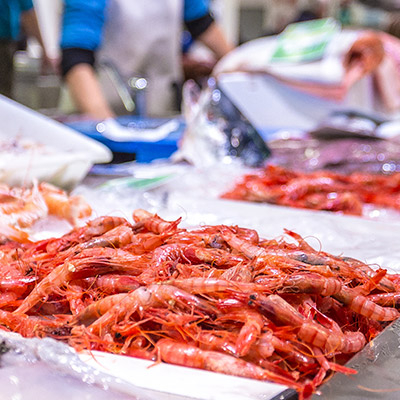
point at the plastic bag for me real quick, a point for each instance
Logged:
(216, 130)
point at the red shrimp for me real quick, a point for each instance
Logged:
(386, 299)
(190, 356)
(344, 265)
(119, 236)
(151, 296)
(310, 283)
(168, 252)
(218, 257)
(96, 227)
(172, 318)
(142, 243)
(7, 299)
(255, 190)
(300, 240)
(194, 254)
(163, 263)
(299, 187)
(250, 331)
(28, 326)
(361, 305)
(212, 285)
(264, 345)
(74, 296)
(238, 273)
(71, 208)
(291, 353)
(207, 235)
(249, 235)
(13, 233)
(384, 284)
(17, 284)
(95, 310)
(101, 225)
(308, 331)
(112, 283)
(166, 257)
(260, 256)
(326, 366)
(217, 340)
(353, 343)
(86, 265)
(154, 223)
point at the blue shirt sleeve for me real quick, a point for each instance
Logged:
(194, 9)
(25, 5)
(82, 24)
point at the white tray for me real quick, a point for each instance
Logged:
(74, 153)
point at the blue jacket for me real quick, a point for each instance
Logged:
(10, 13)
(83, 21)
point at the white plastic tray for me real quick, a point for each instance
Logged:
(73, 156)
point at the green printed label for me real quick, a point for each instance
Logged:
(137, 183)
(305, 41)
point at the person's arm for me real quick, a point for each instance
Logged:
(216, 41)
(203, 27)
(31, 28)
(81, 36)
(86, 92)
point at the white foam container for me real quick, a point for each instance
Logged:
(74, 153)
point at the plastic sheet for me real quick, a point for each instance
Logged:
(34, 369)
(216, 131)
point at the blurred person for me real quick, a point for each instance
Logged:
(140, 38)
(16, 16)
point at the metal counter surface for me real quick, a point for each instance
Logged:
(378, 366)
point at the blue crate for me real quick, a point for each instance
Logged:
(144, 151)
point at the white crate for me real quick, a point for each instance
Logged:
(72, 156)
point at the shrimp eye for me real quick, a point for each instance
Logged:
(253, 297)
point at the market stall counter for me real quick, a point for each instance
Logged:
(185, 214)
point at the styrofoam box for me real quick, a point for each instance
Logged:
(70, 157)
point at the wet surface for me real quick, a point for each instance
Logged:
(378, 366)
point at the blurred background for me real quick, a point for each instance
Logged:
(241, 21)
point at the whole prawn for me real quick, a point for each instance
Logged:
(154, 223)
(142, 298)
(307, 330)
(362, 305)
(190, 356)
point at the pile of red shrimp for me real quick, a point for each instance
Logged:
(216, 297)
(320, 190)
